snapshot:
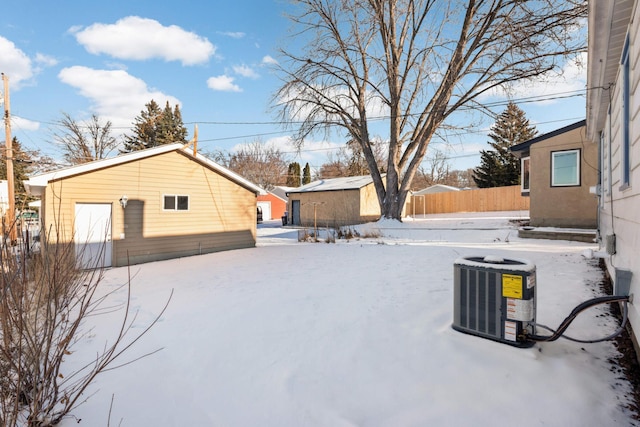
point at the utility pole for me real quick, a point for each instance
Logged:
(11, 211)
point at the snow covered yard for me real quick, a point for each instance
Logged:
(356, 333)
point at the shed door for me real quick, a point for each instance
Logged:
(93, 235)
(295, 212)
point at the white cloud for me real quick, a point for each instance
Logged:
(223, 83)
(24, 124)
(115, 94)
(137, 38)
(46, 60)
(245, 71)
(315, 153)
(15, 64)
(233, 34)
(573, 78)
(269, 60)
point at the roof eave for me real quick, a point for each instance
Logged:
(608, 23)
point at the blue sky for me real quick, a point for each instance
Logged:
(212, 58)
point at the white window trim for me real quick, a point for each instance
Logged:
(553, 156)
(522, 169)
(175, 196)
(625, 147)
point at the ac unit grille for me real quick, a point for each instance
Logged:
(479, 302)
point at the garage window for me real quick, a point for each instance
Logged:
(173, 202)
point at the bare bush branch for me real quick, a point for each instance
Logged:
(45, 301)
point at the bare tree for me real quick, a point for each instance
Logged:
(350, 161)
(337, 164)
(84, 142)
(461, 178)
(414, 63)
(264, 165)
(434, 171)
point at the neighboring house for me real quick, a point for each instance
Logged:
(559, 171)
(164, 202)
(273, 206)
(418, 204)
(334, 202)
(613, 124)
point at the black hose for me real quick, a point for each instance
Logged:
(574, 313)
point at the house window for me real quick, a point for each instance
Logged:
(176, 203)
(524, 178)
(565, 168)
(626, 164)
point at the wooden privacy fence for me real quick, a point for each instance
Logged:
(480, 200)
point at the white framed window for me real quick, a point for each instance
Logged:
(565, 168)
(174, 202)
(524, 174)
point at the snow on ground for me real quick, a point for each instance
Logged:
(356, 333)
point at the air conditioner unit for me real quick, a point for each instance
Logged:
(495, 298)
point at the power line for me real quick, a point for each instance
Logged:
(523, 100)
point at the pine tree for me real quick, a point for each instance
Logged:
(154, 127)
(170, 128)
(23, 162)
(293, 175)
(499, 167)
(306, 174)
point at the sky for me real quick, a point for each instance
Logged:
(214, 59)
(352, 333)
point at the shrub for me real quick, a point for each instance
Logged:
(44, 302)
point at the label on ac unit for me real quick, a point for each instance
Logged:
(510, 331)
(520, 309)
(531, 281)
(511, 286)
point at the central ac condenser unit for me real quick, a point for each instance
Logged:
(495, 298)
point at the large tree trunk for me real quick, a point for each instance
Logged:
(412, 63)
(392, 203)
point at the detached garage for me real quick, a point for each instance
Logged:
(334, 202)
(161, 203)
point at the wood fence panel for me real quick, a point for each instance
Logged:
(480, 200)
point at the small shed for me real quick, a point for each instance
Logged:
(558, 170)
(155, 204)
(334, 202)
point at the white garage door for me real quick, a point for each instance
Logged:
(266, 210)
(93, 235)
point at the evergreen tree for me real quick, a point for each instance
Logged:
(23, 166)
(498, 166)
(170, 127)
(306, 174)
(293, 175)
(154, 127)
